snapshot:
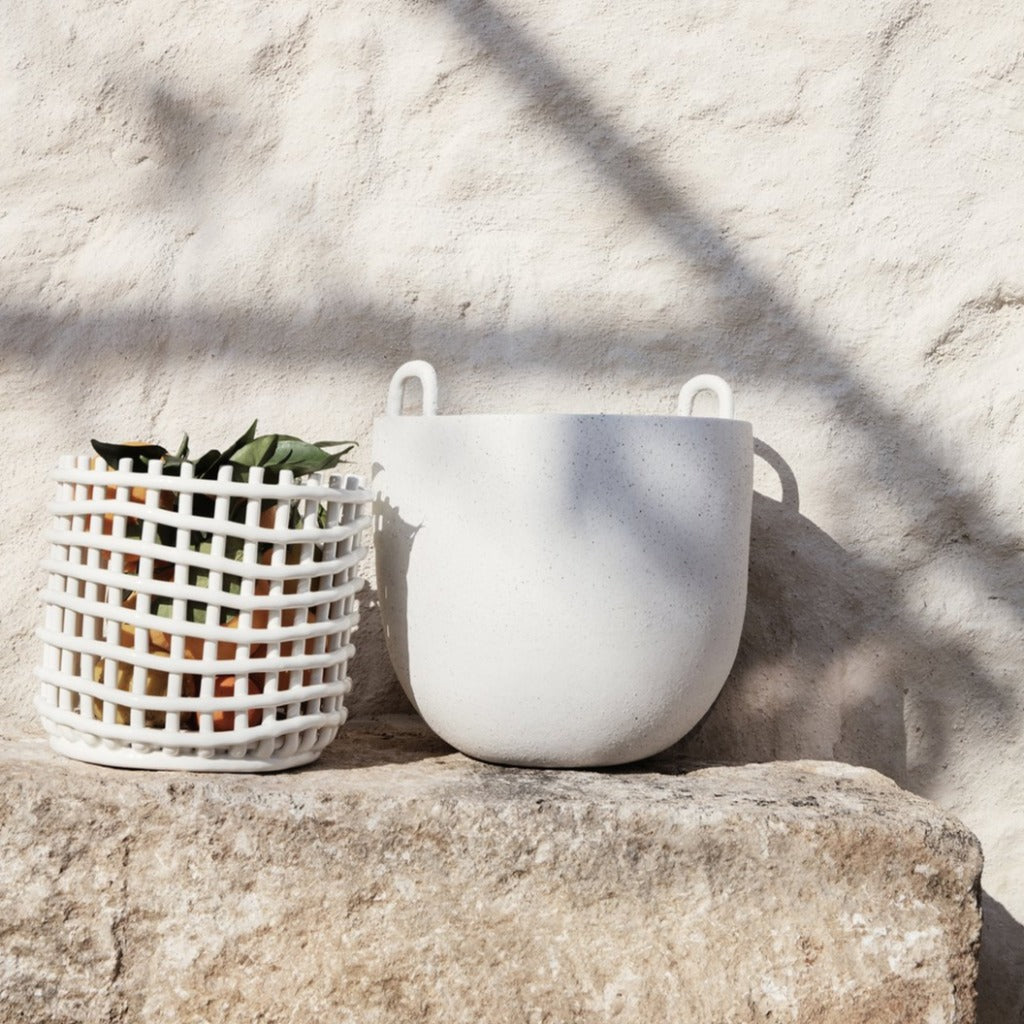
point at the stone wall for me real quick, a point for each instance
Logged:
(217, 211)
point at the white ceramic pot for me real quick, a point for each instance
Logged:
(561, 590)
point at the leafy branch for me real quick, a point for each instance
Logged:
(275, 453)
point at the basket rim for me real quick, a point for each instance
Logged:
(124, 754)
(350, 489)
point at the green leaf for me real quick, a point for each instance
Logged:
(140, 454)
(245, 439)
(257, 452)
(207, 465)
(199, 576)
(173, 464)
(301, 457)
(349, 445)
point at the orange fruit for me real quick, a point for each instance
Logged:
(224, 686)
(137, 495)
(156, 686)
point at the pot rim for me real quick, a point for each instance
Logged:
(458, 418)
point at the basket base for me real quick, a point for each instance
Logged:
(158, 760)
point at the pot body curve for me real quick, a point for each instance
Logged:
(562, 590)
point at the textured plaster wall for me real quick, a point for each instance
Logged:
(214, 211)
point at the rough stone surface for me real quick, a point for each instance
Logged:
(397, 881)
(211, 211)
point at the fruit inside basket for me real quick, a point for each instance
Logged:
(273, 454)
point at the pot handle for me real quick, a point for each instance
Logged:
(706, 382)
(425, 374)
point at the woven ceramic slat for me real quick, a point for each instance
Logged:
(174, 638)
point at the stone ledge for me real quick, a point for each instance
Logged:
(396, 881)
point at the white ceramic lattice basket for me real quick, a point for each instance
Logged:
(228, 653)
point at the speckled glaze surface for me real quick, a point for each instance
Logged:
(562, 590)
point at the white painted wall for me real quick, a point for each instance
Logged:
(212, 211)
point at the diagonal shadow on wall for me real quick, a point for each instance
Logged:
(806, 592)
(786, 340)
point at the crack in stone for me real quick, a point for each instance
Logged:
(944, 347)
(878, 80)
(118, 934)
